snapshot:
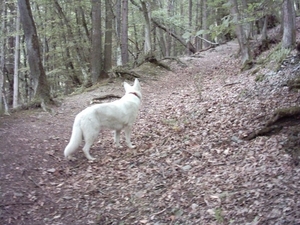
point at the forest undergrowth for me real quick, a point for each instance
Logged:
(191, 165)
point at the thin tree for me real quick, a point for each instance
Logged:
(108, 38)
(147, 16)
(16, 64)
(40, 84)
(241, 36)
(96, 52)
(118, 6)
(124, 32)
(2, 54)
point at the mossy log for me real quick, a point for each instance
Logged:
(124, 72)
(281, 117)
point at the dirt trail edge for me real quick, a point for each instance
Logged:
(191, 164)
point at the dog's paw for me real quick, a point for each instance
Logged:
(118, 145)
(70, 158)
(131, 146)
(91, 158)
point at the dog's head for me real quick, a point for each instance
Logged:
(134, 89)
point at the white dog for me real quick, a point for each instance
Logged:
(117, 115)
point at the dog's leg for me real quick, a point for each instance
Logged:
(127, 131)
(89, 139)
(86, 151)
(117, 138)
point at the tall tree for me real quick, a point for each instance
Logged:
(118, 31)
(80, 54)
(124, 33)
(96, 52)
(16, 66)
(241, 36)
(205, 23)
(2, 54)
(147, 16)
(109, 17)
(40, 83)
(289, 24)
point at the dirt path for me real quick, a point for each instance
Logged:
(191, 165)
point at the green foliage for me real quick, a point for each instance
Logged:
(175, 20)
(223, 28)
(218, 215)
(216, 30)
(260, 77)
(276, 57)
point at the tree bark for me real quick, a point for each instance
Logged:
(108, 38)
(241, 36)
(289, 25)
(40, 84)
(205, 23)
(118, 32)
(124, 32)
(16, 64)
(2, 52)
(96, 52)
(146, 13)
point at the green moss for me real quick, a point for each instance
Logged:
(259, 77)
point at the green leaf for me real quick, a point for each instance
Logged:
(200, 32)
(186, 35)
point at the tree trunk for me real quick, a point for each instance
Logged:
(2, 53)
(241, 36)
(80, 58)
(96, 53)
(199, 10)
(264, 33)
(16, 64)
(146, 13)
(118, 32)
(108, 38)
(289, 25)
(205, 24)
(40, 84)
(124, 33)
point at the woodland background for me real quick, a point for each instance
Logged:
(51, 48)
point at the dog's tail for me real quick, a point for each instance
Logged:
(75, 141)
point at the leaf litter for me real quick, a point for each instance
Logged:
(191, 164)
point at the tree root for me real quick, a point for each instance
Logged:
(151, 58)
(282, 117)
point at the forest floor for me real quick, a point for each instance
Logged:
(191, 164)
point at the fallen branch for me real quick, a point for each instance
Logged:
(108, 96)
(16, 203)
(230, 84)
(187, 45)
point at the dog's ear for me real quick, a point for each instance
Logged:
(126, 86)
(136, 84)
